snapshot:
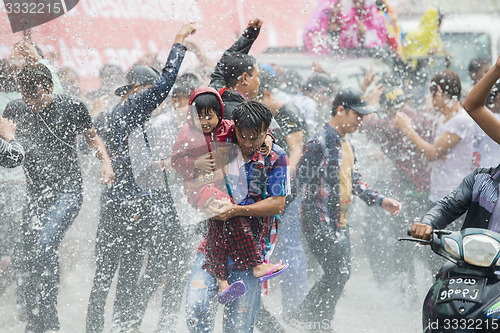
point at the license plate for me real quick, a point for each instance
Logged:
(461, 288)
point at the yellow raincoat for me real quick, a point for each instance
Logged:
(424, 40)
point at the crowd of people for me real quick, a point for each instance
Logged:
(260, 159)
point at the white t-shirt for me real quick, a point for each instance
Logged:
(486, 151)
(448, 171)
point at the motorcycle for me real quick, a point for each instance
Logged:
(465, 296)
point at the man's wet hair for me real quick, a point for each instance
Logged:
(319, 82)
(292, 81)
(268, 82)
(185, 84)
(8, 76)
(207, 101)
(494, 93)
(35, 75)
(252, 116)
(449, 82)
(111, 73)
(234, 65)
(476, 63)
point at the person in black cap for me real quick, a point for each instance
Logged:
(128, 212)
(327, 175)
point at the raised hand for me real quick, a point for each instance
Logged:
(7, 129)
(255, 23)
(186, 30)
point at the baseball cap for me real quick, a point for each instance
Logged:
(392, 97)
(352, 99)
(142, 75)
(34, 73)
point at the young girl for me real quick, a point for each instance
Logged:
(199, 155)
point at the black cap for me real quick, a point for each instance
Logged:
(34, 73)
(142, 75)
(352, 99)
(392, 97)
(318, 82)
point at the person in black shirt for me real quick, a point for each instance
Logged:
(47, 127)
(289, 133)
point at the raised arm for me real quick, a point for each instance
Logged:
(452, 206)
(475, 103)
(431, 151)
(294, 141)
(242, 45)
(137, 108)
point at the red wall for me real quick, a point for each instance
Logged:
(98, 32)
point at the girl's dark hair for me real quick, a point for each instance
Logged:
(449, 82)
(207, 101)
(185, 84)
(477, 63)
(495, 91)
(252, 116)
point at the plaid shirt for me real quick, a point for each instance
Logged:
(477, 195)
(259, 178)
(318, 174)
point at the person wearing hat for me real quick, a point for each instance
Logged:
(328, 177)
(47, 126)
(128, 211)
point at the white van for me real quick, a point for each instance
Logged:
(466, 36)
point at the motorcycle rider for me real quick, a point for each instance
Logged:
(477, 195)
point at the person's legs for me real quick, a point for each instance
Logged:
(267, 323)
(56, 216)
(334, 256)
(241, 314)
(23, 254)
(178, 245)
(138, 216)
(11, 206)
(29, 279)
(294, 284)
(154, 275)
(201, 303)
(12, 200)
(108, 244)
